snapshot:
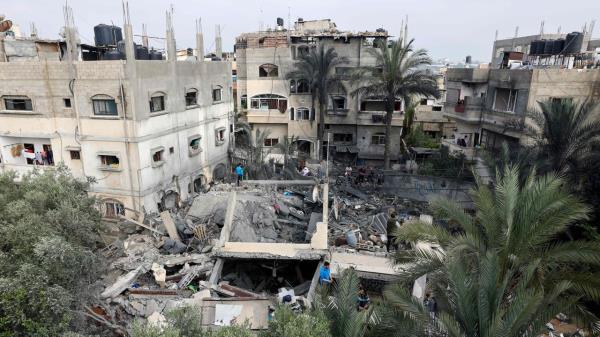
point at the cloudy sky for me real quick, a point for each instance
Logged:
(447, 28)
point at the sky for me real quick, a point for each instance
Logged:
(448, 29)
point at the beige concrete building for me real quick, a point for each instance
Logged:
(490, 105)
(149, 132)
(284, 107)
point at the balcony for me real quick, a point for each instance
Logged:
(468, 108)
(469, 152)
(467, 75)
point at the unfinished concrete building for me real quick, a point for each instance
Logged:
(490, 105)
(283, 107)
(149, 130)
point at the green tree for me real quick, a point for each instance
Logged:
(286, 323)
(318, 68)
(519, 226)
(398, 74)
(49, 229)
(340, 307)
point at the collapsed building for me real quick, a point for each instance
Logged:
(147, 128)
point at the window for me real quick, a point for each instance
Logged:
(343, 71)
(268, 70)
(158, 156)
(113, 209)
(18, 103)
(269, 142)
(292, 114)
(423, 101)
(505, 100)
(244, 101)
(374, 104)
(342, 138)
(220, 136)
(338, 102)
(217, 93)
(109, 162)
(437, 108)
(378, 139)
(75, 155)
(303, 51)
(157, 103)
(191, 98)
(104, 106)
(67, 102)
(561, 100)
(194, 145)
(303, 114)
(269, 101)
(299, 86)
(171, 150)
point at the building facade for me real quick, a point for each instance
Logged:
(149, 132)
(284, 107)
(490, 106)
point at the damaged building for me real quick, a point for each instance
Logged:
(490, 105)
(284, 108)
(150, 130)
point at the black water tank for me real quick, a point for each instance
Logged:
(141, 52)
(155, 55)
(468, 59)
(573, 43)
(106, 35)
(548, 47)
(112, 54)
(558, 47)
(280, 22)
(536, 47)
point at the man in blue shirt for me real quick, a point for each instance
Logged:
(239, 171)
(325, 274)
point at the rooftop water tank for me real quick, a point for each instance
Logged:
(536, 47)
(141, 52)
(548, 47)
(558, 47)
(107, 35)
(573, 43)
(155, 55)
(112, 54)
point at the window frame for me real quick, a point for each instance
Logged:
(107, 101)
(272, 142)
(380, 136)
(265, 72)
(345, 140)
(161, 156)
(219, 89)
(218, 140)
(192, 152)
(109, 167)
(267, 102)
(23, 98)
(77, 155)
(162, 98)
(303, 112)
(67, 103)
(195, 102)
(117, 207)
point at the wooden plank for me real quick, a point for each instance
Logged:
(170, 225)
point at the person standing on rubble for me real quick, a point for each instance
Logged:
(392, 225)
(239, 171)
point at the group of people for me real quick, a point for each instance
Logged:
(362, 301)
(364, 175)
(39, 158)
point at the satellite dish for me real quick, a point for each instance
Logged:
(5, 25)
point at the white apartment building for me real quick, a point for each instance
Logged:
(148, 132)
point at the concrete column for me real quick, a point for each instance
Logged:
(218, 43)
(199, 41)
(170, 36)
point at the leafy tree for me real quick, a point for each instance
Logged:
(518, 227)
(399, 73)
(418, 138)
(286, 323)
(318, 68)
(49, 230)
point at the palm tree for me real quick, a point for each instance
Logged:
(479, 300)
(318, 68)
(522, 224)
(399, 73)
(341, 307)
(566, 133)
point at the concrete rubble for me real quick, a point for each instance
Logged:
(179, 257)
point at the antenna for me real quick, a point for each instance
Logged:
(515, 37)
(542, 28)
(558, 31)
(592, 24)
(496, 36)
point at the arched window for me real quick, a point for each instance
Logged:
(303, 114)
(191, 97)
(104, 105)
(268, 102)
(268, 70)
(157, 101)
(217, 93)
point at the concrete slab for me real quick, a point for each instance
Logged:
(170, 225)
(367, 264)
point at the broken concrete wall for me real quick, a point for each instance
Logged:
(426, 188)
